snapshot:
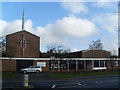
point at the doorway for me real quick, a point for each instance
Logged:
(23, 64)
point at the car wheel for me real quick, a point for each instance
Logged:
(24, 71)
(37, 71)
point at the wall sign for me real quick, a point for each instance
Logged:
(41, 64)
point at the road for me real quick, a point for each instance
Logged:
(43, 81)
(83, 83)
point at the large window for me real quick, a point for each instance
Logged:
(72, 64)
(58, 65)
(80, 64)
(63, 65)
(54, 65)
(96, 63)
(102, 63)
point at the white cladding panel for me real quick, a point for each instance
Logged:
(99, 68)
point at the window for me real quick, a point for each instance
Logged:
(116, 63)
(80, 62)
(96, 63)
(102, 63)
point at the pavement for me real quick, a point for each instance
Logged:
(43, 80)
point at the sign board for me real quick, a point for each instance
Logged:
(41, 64)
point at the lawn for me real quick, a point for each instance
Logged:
(80, 74)
(9, 74)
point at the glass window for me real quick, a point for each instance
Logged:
(80, 64)
(102, 63)
(116, 63)
(72, 64)
(96, 63)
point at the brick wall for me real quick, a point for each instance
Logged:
(13, 44)
(8, 65)
(95, 54)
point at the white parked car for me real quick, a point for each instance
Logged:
(36, 69)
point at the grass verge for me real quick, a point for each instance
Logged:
(9, 74)
(81, 74)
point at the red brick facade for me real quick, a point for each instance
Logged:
(8, 65)
(95, 54)
(14, 44)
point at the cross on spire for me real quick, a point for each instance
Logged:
(23, 21)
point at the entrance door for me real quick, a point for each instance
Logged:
(23, 64)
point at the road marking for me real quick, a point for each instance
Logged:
(53, 86)
(79, 84)
(66, 85)
(100, 82)
(96, 82)
(69, 86)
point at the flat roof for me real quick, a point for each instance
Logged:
(13, 58)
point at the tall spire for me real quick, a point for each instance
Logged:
(23, 21)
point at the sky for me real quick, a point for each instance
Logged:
(72, 24)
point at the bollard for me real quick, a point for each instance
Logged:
(26, 80)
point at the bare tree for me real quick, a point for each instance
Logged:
(55, 48)
(2, 45)
(59, 51)
(112, 62)
(96, 45)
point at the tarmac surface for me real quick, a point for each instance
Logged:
(42, 80)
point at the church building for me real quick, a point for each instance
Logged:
(23, 50)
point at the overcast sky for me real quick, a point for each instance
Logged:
(72, 24)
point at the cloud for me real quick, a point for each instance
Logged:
(107, 22)
(105, 4)
(75, 27)
(111, 44)
(9, 27)
(65, 28)
(104, 0)
(2, 26)
(89, 0)
(75, 7)
(54, 33)
(74, 50)
(14, 26)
